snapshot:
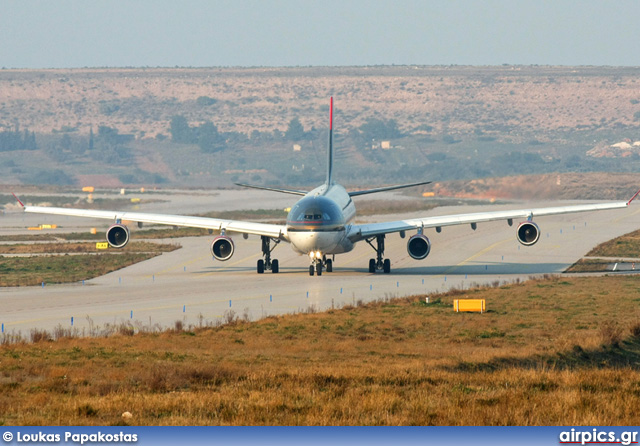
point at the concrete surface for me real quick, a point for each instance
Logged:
(189, 286)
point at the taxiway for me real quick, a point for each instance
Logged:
(189, 286)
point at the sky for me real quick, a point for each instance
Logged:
(275, 33)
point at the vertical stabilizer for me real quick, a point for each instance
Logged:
(330, 154)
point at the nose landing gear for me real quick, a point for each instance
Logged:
(317, 268)
(318, 264)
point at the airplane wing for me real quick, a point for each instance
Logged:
(364, 231)
(215, 224)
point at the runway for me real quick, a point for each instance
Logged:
(188, 285)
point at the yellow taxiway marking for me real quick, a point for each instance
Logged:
(626, 216)
(226, 267)
(177, 266)
(353, 259)
(477, 254)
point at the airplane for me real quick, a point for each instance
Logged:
(321, 224)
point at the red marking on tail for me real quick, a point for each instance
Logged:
(633, 198)
(17, 199)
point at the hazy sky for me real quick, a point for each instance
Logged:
(84, 33)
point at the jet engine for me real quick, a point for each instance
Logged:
(418, 246)
(528, 233)
(222, 248)
(118, 235)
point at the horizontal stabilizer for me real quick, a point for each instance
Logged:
(273, 189)
(384, 189)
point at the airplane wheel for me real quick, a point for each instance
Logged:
(329, 266)
(275, 266)
(260, 266)
(319, 268)
(372, 265)
(386, 266)
(311, 270)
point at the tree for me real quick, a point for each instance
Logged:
(17, 140)
(209, 138)
(295, 131)
(375, 128)
(180, 130)
(57, 177)
(110, 136)
(30, 140)
(91, 141)
(65, 142)
(205, 101)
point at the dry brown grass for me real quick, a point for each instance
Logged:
(64, 248)
(381, 207)
(590, 266)
(30, 271)
(627, 245)
(365, 208)
(156, 233)
(555, 186)
(65, 268)
(557, 351)
(48, 269)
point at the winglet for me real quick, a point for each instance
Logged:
(22, 204)
(633, 198)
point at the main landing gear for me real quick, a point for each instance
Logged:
(318, 264)
(267, 263)
(379, 263)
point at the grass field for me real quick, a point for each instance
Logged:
(72, 201)
(30, 271)
(365, 208)
(75, 262)
(101, 237)
(553, 351)
(548, 352)
(625, 246)
(64, 248)
(590, 266)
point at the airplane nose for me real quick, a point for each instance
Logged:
(314, 242)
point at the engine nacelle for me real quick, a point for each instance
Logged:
(222, 248)
(118, 236)
(528, 233)
(418, 246)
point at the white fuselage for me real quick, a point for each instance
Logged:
(320, 221)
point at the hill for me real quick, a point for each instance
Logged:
(457, 99)
(442, 122)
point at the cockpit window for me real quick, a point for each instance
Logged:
(315, 211)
